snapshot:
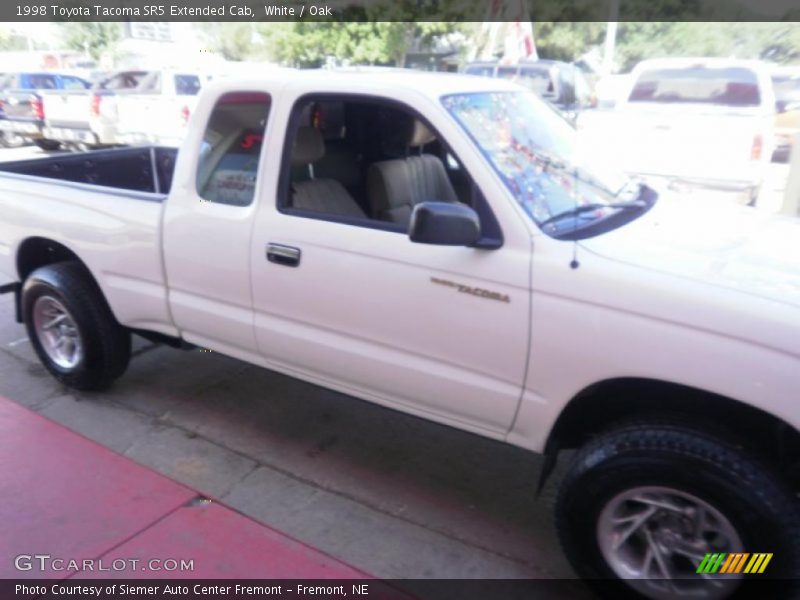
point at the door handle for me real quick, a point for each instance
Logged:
(288, 256)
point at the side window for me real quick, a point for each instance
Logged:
(187, 85)
(42, 82)
(508, 72)
(367, 162)
(73, 83)
(124, 81)
(482, 70)
(539, 80)
(151, 84)
(231, 146)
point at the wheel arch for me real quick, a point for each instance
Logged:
(604, 404)
(36, 252)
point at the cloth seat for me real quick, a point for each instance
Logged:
(396, 186)
(326, 196)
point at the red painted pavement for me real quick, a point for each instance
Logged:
(68, 497)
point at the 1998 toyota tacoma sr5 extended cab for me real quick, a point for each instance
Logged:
(442, 246)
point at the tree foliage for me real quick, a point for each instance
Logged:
(310, 44)
(233, 40)
(95, 39)
(379, 33)
(638, 40)
(10, 40)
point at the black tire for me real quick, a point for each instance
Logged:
(106, 344)
(48, 145)
(760, 507)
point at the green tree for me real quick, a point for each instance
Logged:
(233, 40)
(10, 40)
(777, 42)
(309, 44)
(95, 39)
(566, 41)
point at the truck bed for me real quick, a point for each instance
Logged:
(139, 169)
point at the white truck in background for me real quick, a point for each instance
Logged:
(157, 111)
(128, 107)
(85, 119)
(438, 244)
(691, 124)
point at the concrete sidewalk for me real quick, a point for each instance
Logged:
(71, 499)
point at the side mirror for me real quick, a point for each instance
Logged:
(445, 224)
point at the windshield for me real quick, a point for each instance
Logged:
(538, 156)
(729, 86)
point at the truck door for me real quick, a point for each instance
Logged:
(343, 297)
(208, 222)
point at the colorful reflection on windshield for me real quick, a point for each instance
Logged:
(536, 152)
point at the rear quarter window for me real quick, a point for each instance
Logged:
(73, 83)
(229, 153)
(41, 82)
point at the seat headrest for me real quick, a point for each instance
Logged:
(420, 135)
(308, 146)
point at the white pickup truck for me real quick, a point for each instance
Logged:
(128, 107)
(439, 244)
(157, 111)
(695, 125)
(85, 119)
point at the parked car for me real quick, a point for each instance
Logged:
(8, 139)
(787, 107)
(691, 124)
(22, 104)
(441, 245)
(157, 111)
(562, 84)
(86, 118)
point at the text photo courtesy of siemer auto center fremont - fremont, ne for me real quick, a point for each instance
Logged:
(424, 299)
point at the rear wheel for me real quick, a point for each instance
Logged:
(72, 328)
(642, 506)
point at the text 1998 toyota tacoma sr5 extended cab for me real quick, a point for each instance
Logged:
(442, 246)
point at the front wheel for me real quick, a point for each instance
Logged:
(72, 329)
(661, 511)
